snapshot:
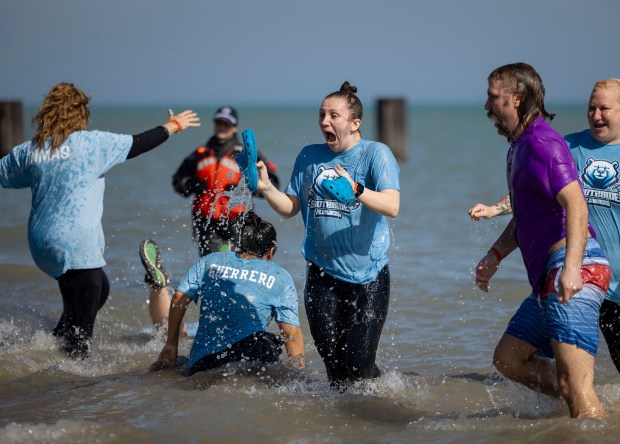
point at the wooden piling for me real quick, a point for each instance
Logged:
(392, 125)
(11, 126)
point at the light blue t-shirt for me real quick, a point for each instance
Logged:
(349, 242)
(598, 166)
(238, 297)
(64, 228)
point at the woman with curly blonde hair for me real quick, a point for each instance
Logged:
(64, 166)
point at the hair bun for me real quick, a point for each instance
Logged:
(346, 86)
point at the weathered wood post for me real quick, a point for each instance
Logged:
(392, 125)
(11, 126)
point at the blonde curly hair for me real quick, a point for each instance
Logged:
(63, 111)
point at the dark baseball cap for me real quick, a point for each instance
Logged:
(228, 114)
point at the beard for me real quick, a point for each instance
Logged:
(501, 129)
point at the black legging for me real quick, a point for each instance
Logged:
(345, 322)
(83, 292)
(609, 321)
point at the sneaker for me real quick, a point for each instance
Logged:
(149, 255)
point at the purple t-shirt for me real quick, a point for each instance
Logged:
(541, 165)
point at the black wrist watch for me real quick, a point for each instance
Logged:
(359, 189)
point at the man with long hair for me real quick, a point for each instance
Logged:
(596, 151)
(566, 267)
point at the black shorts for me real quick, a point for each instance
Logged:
(261, 346)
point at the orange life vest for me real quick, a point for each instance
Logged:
(219, 175)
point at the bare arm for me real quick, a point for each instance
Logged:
(488, 265)
(481, 211)
(283, 204)
(168, 355)
(572, 200)
(385, 202)
(294, 344)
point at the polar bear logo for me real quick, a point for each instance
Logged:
(600, 174)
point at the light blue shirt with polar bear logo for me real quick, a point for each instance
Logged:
(64, 228)
(349, 242)
(598, 166)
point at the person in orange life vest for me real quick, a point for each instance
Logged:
(208, 174)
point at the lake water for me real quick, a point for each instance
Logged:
(438, 384)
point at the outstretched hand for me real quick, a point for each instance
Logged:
(481, 211)
(186, 119)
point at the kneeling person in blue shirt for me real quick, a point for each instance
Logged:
(240, 293)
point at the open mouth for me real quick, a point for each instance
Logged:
(493, 118)
(329, 137)
(599, 125)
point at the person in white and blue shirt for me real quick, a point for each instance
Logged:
(346, 239)
(239, 293)
(64, 165)
(597, 155)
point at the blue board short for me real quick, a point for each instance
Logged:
(541, 319)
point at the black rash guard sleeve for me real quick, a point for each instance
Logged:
(147, 140)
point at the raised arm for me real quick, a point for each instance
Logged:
(283, 204)
(146, 141)
(294, 344)
(178, 122)
(572, 200)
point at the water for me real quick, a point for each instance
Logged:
(438, 383)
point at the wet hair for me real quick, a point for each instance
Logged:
(63, 111)
(257, 236)
(347, 92)
(609, 85)
(528, 85)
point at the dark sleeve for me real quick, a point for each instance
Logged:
(148, 140)
(184, 180)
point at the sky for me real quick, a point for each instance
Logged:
(244, 52)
